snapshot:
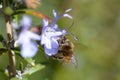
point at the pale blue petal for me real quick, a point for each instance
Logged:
(55, 27)
(45, 22)
(45, 25)
(54, 43)
(54, 49)
(68, 10)
(27, 45)
(27, 36)
(50, 52)
(28, 49)
(55, 33)
(67, 15)
(48, 43)
(43, 40)
(26, 22)
(54, 13)
(33, 36)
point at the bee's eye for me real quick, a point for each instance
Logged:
(62, 42)
(60, 57)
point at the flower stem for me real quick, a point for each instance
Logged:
(12, 70)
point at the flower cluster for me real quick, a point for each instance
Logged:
(48, 38)
(51, 33)
(26, 39)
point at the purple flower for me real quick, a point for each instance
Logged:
(26, 39)
(51, 33)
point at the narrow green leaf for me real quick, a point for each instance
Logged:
(23, 78)
(1, 38)
(3, 50)
(21, 66)
(17, 51)
(34, 69)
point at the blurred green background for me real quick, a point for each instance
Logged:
(97, 26)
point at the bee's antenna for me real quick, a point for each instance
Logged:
(75, 38)
(71, 25)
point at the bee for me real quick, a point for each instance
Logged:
(65, 52)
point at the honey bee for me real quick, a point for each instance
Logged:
(65, 52)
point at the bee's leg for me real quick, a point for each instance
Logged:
(74, 61)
